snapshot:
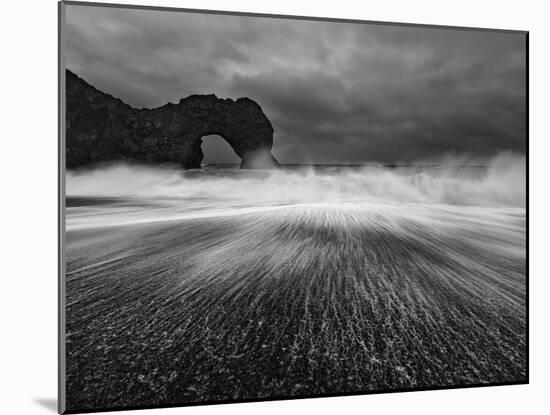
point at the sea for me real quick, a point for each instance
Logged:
(225, 284)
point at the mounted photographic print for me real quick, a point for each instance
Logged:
(258, 207)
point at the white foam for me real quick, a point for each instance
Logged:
(501, 183)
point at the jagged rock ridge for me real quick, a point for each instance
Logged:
(101, 128)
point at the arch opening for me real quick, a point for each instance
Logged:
(217, 151)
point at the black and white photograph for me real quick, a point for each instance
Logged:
(262, 207)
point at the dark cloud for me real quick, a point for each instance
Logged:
(334, 92)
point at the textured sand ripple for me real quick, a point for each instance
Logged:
(297, 300)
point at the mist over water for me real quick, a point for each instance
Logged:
(499, 181)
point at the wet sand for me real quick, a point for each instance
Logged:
(291, 301)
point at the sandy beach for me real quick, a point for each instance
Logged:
(290, 301)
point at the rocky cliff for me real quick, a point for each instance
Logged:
(101, 128)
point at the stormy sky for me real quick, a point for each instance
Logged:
(334, 92)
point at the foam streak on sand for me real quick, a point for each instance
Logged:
(214, 298)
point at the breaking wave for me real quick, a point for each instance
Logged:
(500, 181)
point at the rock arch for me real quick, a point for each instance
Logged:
(101, 128)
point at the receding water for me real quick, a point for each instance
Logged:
(141, 193)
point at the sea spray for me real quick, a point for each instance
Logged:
(499, 181)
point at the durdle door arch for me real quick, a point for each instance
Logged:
(103, 128)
